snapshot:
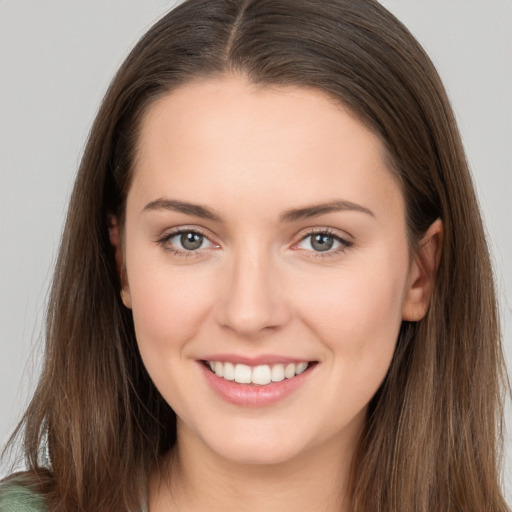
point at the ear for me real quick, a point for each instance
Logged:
(116, 241)
(422, 273)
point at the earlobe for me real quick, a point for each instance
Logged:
(423, 272)
(115, 240)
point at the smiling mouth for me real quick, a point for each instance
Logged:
(260, 375)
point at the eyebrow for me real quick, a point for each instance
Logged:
(182, 207)
(316, 210)
(293, 215)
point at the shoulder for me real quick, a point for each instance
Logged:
(16, 497)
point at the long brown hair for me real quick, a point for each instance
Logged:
(433, 431)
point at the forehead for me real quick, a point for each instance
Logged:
(250, 109)
(228, 138)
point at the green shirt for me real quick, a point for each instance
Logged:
(14, 497)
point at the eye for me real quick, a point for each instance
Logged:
(189, 240)
(185, 242)
(323, 242)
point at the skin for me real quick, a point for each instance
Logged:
(258, 286)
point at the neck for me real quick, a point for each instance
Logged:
(196, 478)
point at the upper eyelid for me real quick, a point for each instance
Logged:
(170, 233)
(344, 242)
(336, 233)
(164, 239)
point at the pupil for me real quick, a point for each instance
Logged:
(322, 242)
(191, 241)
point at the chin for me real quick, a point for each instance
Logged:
(257, 447)
(252, 454)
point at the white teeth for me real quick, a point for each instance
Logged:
(229, 371)
(300, 368)
(219, 369)
(261, 375)
(242, 374)
(289, 371)
(277, 373)
(258, 375)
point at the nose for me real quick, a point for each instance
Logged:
(252, 301)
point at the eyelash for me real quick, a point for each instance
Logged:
(344, 243)
(177, 252)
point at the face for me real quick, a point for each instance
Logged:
(264, 238)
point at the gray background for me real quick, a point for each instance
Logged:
(56, 60)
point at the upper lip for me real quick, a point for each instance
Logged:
(262, 359)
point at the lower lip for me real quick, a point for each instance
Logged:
(247, 395)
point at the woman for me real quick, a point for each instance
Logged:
(264, 297)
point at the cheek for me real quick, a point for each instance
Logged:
(169, 302)
(355, 301)
(358, 316)
(168, 311)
